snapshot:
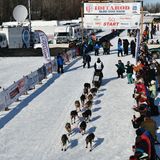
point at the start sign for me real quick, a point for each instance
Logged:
(112, 15)
(112, 21)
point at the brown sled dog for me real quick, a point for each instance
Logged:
(77, 105)
(68, 128)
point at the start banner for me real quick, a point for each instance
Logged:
(112, 21)
(112, 8)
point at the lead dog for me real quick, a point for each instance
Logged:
(64, 140)
(89, 139)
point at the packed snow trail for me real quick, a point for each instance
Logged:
(35, 132)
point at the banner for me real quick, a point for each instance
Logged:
(112, 21)
(48, 67)
(15, 91)
(112, 8)
(2, 101)
(32, 80)
(45, 47)
(41, 73)
(137, 44)
(54, 65)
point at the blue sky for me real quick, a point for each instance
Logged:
(150, 1)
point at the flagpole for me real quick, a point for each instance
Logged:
(29, 18)
(82, 27)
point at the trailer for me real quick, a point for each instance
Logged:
(16, 36)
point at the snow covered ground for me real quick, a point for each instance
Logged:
(33, 128)
(14, 68)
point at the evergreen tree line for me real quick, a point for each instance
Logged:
(52, 9)
(152, 8)
(42, 9)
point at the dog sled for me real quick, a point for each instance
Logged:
(97, 79)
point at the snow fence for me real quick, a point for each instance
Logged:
(28, 82)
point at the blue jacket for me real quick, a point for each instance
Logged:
(59, 60)
(120, 46)
(96, 46)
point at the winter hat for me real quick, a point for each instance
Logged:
(152, 82)
(98, 60)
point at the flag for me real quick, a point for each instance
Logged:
(137, 44)
(45, 47)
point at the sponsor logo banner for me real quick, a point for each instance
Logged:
(45, 46)
(112, 21)
(32, 80)
(48, 67)
(112, 8)
(15, 91)
(41, 73)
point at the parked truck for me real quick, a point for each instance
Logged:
(67, 33)
(15, 36)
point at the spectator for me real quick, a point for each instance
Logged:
(104, 45)
(108, 45)
(86, 60)
(120, 47)
(133, 48)
(125, 46)
(96, 48)
(129, 71)
(149, 125)
(60, 62)
(121, 69)
(152, 89)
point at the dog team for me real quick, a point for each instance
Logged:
(82, 106)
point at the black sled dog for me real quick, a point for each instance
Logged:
(82, 127)
(64, 140)
(73, 115)
(87, 114)
(89, 139)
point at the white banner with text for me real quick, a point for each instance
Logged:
(112, 21)
(112, 8)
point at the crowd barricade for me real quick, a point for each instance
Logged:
(28, 82)
(32, 80)
(2, 101)
(13, 92)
